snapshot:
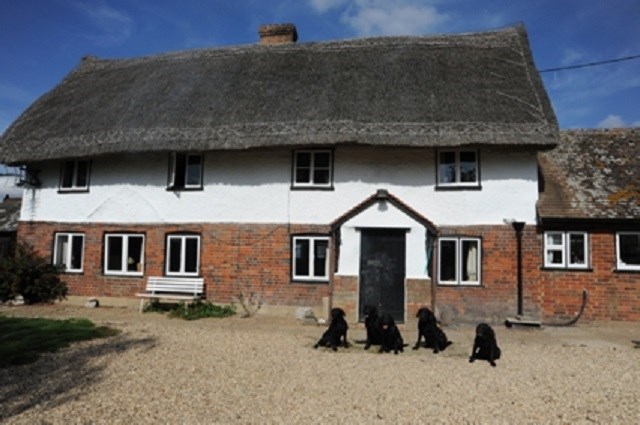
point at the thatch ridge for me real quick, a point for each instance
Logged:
(444, 90)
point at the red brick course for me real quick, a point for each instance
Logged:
(255, 258)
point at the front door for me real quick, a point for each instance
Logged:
(382, 259)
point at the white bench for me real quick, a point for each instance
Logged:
(187, 289)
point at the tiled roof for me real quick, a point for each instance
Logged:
(591, 174)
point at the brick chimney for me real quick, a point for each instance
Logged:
(277, 33)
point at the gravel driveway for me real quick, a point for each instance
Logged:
(264, 370)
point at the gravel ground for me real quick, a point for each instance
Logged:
(264, 370)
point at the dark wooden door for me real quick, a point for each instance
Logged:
(382, 259)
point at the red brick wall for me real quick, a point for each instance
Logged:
(234, 258)
(256, 258)
(612, 294)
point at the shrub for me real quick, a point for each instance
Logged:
(200, 310)
(30, 276)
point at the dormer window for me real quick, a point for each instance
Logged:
(313, 169)
(74, 176)
(185, 171)
(458, 168)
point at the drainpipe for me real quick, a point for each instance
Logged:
(518, 226)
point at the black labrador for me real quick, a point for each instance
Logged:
(485, 346)
(336, 331)
(372, 325)
(391, 337)
(428, 328)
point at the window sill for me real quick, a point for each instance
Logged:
(453, 188)
(112, 274)
(566, 269)
(619, 270)
(185, 189)
(325, 188)
(66, 191)
(309, 281)
(460, 285)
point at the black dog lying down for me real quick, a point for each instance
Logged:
(335, 332)
(434, 337)
(391, 338)
(372, 325)
(485, 346)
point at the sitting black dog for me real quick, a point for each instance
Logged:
(335, 332)
(372, 325)
(391, 338)
(485, 346)
(434, 337)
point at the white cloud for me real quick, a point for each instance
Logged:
(111, 26)
(324, 5)
(386, 17)
(571, 56)
(612, 121)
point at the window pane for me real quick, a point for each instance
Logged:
(303, 159)
(322, 159)
(448, 261)
(303, 175)
(175, 251)
(470, 261)
(114, 254)
(447, 167)
(193, 170)
(576, 249)
(82, 173)
(301, 266)
(67, 174)
(554, 239)
(321, 176)
(134, 251)
(76, 252)
(630, 249)
(62, 250)
(468, 167)
(554, 257)
(320, 258)
(191, 260)
(179, 170)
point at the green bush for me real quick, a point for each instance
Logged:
(30, 276)
(193, 311)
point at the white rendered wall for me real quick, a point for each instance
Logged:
(255, 187)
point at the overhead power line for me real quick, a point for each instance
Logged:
(585, 65)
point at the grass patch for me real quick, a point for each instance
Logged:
(22, 340)
(192, 311)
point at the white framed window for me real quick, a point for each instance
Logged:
(74, 176)
(68, 251)
(124, 254)
(185, 171)
(183, 255)
(458, 167)
(313, 168)
(628, 251)
(310, 258)
(566, 250)
(459, 261)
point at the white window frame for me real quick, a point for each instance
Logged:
(183, 249)
(173, 168)
(74, 179)
(458, 266)
(312, 168)
(311, 263)
(125, 254)
(564, 247)
(66, 261)
(620, 265)
(457, 182)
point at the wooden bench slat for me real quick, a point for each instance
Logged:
(174, 288)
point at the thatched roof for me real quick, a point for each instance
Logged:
(591, 174)
(475, 88)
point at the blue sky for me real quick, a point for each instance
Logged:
(43, 40)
